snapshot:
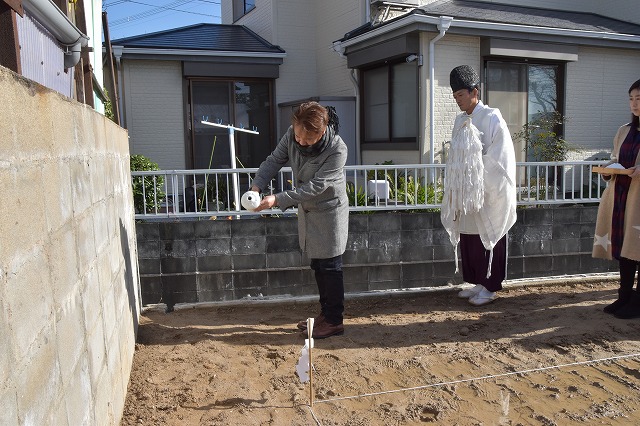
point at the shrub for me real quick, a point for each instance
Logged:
(148, 191)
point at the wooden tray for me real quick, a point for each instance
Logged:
(611, 171)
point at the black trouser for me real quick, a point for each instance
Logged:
(330, 287)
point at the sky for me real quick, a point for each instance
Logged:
(135, 17)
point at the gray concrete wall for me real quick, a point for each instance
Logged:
(222, 260)
(69, 285)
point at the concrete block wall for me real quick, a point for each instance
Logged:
(222, 260)
(69, 285)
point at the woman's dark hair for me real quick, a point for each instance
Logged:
(635, 120)
(312, 116)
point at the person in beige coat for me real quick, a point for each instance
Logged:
(617, 234)
(316, 155)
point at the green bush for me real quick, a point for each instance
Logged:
(541, 140)
(108, 108)
(356, 196)
(147, 190)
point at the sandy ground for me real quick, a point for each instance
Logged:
(539, 355)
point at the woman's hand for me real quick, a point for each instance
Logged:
(267, 202)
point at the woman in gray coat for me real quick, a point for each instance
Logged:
(317, 155)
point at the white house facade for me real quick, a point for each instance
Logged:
(394, 59)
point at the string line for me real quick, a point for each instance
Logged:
(491, 376)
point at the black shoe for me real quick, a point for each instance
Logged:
(613, 307)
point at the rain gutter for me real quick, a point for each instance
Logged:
(184, 52)
(58, 24)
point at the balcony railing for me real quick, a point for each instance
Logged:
(216, 192)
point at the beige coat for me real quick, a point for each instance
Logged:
(631, 239)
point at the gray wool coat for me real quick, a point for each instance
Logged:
(319, 193)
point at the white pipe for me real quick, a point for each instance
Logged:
(58, 24)
(232, 150)
(119, 69)
(356, 89)
(443, 26)
(366, 12)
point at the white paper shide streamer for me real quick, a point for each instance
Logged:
(303, 367)
(250, 200)
(464, 182)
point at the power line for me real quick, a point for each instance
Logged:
(156, 10)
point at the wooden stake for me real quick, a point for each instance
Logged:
(310, 341)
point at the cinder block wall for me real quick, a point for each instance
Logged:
(69, 288)
(221, 260)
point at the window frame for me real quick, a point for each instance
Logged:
(231, 82)
(390, 143)
(242, 7)
(528, 62)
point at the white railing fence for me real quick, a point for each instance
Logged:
(216, 192)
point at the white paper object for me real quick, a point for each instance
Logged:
(302, 367)
(250, 200)
(615, 166)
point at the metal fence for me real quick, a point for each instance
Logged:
(216, 192)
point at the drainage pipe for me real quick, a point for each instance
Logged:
(443, 26)
(58, 24)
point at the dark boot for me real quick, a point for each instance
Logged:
(624, 295)
(631, 309)
(325, 329)
(302, 325)
(625, 292)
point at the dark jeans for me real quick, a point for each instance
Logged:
(330, 287)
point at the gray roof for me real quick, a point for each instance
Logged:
(515, 15)
(215, 37)
(530, 16)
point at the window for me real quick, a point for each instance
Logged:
(524, 92)
(390, 106)
(241, 103)
(242, 7)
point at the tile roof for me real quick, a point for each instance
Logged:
(516, 15)
(530, 16)
(215, 37)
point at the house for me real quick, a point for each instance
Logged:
(57, 44)
(385, 66)
(572, 56)
(171, 81)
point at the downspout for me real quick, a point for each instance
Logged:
(443, 26)
(59, 25)
(356, 88)
(117, 53)
(366, 13)
(339, 49)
